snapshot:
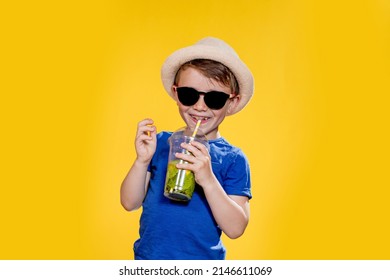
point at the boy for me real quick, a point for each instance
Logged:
(208, 81)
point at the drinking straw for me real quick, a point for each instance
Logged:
(181, 172)
(193, 136)
(196, 128)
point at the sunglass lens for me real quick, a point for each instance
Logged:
(215, 99)
(187, 96)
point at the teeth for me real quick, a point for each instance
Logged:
(201, 118)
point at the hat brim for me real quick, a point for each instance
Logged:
(213, 52)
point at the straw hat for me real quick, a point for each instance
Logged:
(217, 50)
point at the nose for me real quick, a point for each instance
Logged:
(200, 105)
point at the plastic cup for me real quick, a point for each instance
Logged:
(180, 183)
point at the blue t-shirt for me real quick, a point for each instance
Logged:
(187, 230)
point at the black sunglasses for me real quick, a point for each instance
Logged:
(214, 99)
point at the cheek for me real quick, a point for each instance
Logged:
(181, 107)
(182, 110)
(219, 116)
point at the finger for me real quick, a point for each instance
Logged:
(145, 122)
(186, 166)
(153, 134)
(149, 129)
(186, 157)
(144, 129)
(200, 147)
(144, 137)
(192, 148)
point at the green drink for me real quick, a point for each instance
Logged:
(179, 183)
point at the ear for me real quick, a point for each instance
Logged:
(233, 103)
(174, 92)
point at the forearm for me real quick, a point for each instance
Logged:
(133, 188)
(231, 216)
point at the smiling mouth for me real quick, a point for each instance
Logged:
(197, 118)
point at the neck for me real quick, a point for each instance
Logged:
(213, 135)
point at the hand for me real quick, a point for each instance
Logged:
(200, 162)
(145, 141)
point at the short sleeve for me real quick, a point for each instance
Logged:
(237, 179)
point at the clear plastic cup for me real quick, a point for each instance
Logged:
(180, 183)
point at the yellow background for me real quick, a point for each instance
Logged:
(76, 77)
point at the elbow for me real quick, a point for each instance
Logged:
(235, 233)
(130, 202)
(130, 206)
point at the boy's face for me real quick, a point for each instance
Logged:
(211, 118)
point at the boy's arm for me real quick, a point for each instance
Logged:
(134, 186)
(231, 212)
